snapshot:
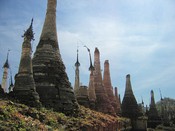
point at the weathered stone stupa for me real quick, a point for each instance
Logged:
(5, 75)
(77, 77)
(24, 89)
(129, 104)
(81, 92)
(102, 101)
(117, 97)
(120, 100)
(51, 80)
(153, 117)
(153, 110)
(108, 86)
(91, 88)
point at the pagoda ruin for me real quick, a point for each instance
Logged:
(24, 88)
(108, 86)
(51, 80)
(129, 105)
(153, 117)
(77, 77)
(118, 102)
(91, 88)
(4, 84)
(102, 101)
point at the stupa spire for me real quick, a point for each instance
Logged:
(77, 64)
(116, 93)
(153, 110)
(153, 117)
(49, 30)
(77, 77)
(24, 89)
(128, 90)
(117, 97)
(26, 66)
(108, 86)
(91, 88)
(51, 80)
(29, 32)
(120, 100)
(129, 103)
(6, 64)
(91, 67)
(102, 101)
(152, 99)
(6, 67)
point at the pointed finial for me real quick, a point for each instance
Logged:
(119, 99)
(142, 100)
(8, 53)
(32, 22)
(152, 98)
(6, 64)
(77, 62)
(29, 32)
(87, 48)
(91, 67)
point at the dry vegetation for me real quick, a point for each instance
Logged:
(14, 116)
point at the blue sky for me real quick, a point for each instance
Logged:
(136, 36)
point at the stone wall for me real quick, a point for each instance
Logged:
(83, 96)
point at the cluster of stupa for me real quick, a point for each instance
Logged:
(42, 80)
(99, 95)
